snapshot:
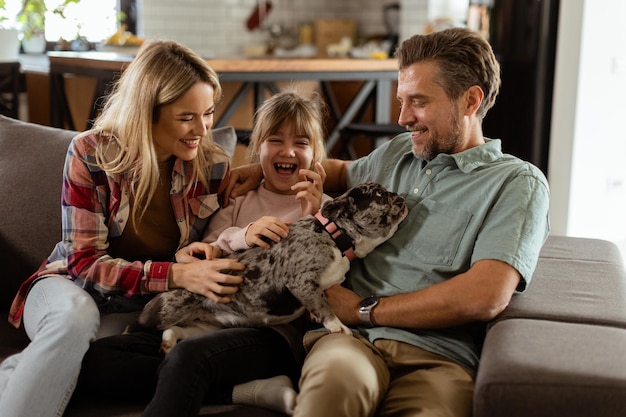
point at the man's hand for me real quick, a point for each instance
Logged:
(310, 189)
(345, 304)
(269, 227)
(243, 179)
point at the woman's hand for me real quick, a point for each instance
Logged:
(268, 227)
(197, 251)
(242, 180)
(205, 277)
(311, 189)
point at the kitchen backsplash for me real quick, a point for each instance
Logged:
(218, 28)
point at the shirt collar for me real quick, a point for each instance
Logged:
(473, 158)
(179, 167)
(478, 156)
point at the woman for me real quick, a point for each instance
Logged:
(137, 187)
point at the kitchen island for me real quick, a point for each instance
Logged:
(372, 82)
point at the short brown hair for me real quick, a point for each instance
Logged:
(464, 59)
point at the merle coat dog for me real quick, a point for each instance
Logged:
(290, 277)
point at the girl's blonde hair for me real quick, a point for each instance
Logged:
(304, 113)
(161, 73)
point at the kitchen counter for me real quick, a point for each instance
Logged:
(34, 63)
(115, 61)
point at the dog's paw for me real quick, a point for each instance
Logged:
(168, 341)
(334, 325)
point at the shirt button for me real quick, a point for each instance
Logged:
(428, 171)
(416, 190)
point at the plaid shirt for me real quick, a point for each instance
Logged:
(95, 209)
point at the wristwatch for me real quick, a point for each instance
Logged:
(365, 310)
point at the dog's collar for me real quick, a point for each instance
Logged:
(342, 240)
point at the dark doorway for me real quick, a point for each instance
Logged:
(523, 34)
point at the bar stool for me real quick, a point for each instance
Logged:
(371, 131)
(9, 89)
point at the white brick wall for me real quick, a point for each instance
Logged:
(217, 28)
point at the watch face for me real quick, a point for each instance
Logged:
(370, 301)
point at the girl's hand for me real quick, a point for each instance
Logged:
(242, 180)
(268, 227)
(311, 189)
(207, 277)
(197, 251)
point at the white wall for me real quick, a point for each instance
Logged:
(586, 170)
(218, 28)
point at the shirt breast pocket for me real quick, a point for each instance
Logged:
(439, 229)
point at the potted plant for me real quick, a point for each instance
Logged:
(3, 16)
(32, 16)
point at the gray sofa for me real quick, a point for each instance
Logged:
(558, 350)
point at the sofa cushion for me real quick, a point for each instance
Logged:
(572, 290)
(31, 168)
(582, 249)
(108, 408)
(576, 280)
(545, 369)
(226, 137)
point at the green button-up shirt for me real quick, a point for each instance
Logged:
(473, 205)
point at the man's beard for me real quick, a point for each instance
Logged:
(442, 144)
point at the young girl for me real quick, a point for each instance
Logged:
(131, 191)
(288, 140)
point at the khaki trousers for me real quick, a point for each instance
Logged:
(349, 376)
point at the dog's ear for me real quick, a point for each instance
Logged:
(339, 207)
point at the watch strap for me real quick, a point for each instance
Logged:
(365, 310)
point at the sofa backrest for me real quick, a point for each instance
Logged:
(31, 169)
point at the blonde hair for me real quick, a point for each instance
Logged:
(305, 114)
(161, 73)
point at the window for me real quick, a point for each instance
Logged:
(96, 20)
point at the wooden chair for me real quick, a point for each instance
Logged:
(9, 89)
(370, 131)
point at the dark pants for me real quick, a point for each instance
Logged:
(200, 370)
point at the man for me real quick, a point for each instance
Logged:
(478, 218)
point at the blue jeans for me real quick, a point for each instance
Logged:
(60, 319)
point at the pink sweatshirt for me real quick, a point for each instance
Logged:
(227, 228)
